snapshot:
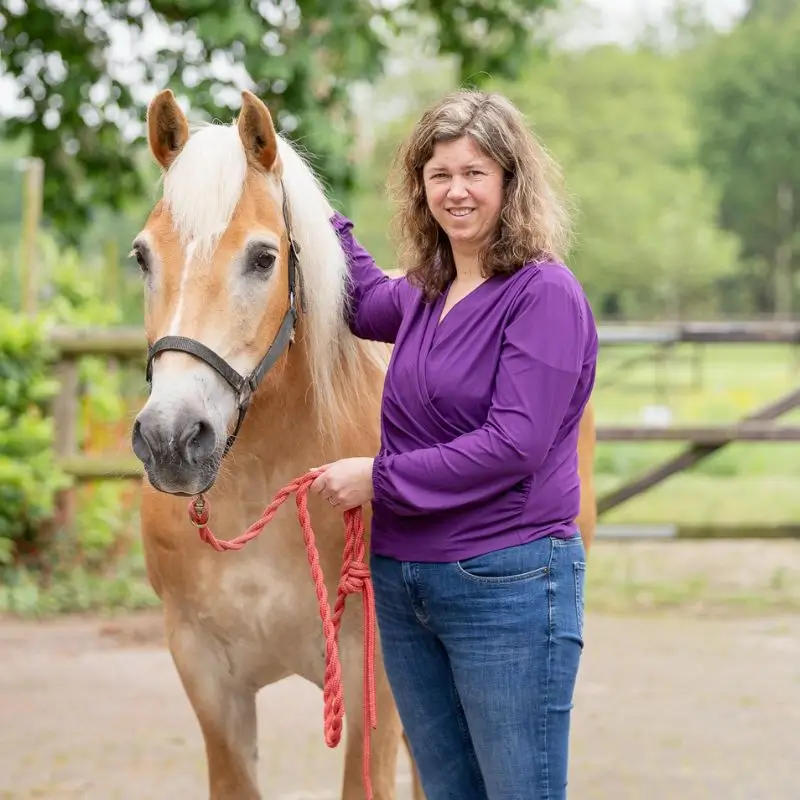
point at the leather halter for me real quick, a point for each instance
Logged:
(243, 385)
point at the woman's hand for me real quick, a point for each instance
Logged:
(346, 483)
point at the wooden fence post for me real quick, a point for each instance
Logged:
(65, 418)
(31, 215)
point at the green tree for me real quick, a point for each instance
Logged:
(386, 113)
(617, 121)
(82, 111)
(748, 108)
(775, 9)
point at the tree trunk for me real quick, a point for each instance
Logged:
(784, 278)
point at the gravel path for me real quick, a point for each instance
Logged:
(668, 708)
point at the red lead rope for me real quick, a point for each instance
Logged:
(354, 578)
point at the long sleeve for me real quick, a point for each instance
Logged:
(541, 361)
(375, 311)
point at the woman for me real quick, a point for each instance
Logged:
(477, 566)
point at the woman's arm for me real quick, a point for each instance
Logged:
(541, 361)
(375, 310)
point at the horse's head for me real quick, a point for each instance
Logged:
(219, 267)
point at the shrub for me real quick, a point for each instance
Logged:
(29, 475)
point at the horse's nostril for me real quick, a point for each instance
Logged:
(198, 441)
(141, 447)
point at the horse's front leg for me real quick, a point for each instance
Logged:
(225, 710)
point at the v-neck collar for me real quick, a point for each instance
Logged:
(438, 320)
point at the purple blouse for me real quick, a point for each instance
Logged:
(480, 412)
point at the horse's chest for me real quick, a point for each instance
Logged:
(266, 623)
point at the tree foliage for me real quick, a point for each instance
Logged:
(29, 476)
(82, 107)
(748, 108)
(620, 126)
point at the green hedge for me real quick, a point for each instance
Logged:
(29, 476)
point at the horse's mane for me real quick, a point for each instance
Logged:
(202, 189)
(337, 371)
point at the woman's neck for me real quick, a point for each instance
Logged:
(468, 267)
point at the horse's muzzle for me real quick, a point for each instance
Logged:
(180, 455)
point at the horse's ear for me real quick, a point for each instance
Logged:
(167, 128)
(257, 131)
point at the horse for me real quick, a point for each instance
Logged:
(586, 521)
(254, 378)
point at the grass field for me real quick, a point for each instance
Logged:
(747, 483)
(742, 483)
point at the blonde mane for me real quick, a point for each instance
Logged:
(337, 372)
(202, 189)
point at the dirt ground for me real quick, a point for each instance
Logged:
(668, 708)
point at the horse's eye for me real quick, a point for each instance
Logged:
(261, 260)
(142, 258)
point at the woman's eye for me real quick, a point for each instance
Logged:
(261, 261)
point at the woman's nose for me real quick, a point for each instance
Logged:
(457, 188)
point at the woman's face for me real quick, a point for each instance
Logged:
(464, 189)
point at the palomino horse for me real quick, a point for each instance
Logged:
(238, 254)
(587, 438)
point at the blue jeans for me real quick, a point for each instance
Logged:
(482, 657)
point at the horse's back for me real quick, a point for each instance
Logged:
(587, 437)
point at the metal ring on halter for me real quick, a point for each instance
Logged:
(333, 502)
(200, 512)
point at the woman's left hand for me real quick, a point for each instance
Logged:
(346, 483)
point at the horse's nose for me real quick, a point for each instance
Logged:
(188, 441)
(197, 442)
(143, 440)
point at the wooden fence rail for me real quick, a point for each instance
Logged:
(127, 345)
(128, 342)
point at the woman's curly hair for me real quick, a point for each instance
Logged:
(534, 222)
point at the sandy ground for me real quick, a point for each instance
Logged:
(667, 709)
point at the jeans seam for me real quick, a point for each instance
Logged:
(531, 575)
(571, 541)
(416, 596)
(548, 675)
(463, 725)
(578, 575)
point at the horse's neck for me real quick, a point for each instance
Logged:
(281, 426)
(281, 437)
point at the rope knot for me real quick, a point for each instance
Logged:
(353, 581)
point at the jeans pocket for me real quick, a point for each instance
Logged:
(510, 565)
(579, 571)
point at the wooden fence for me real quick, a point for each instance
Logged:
(127, 345)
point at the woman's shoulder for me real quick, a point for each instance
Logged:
(549, 295)
(549, 277)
